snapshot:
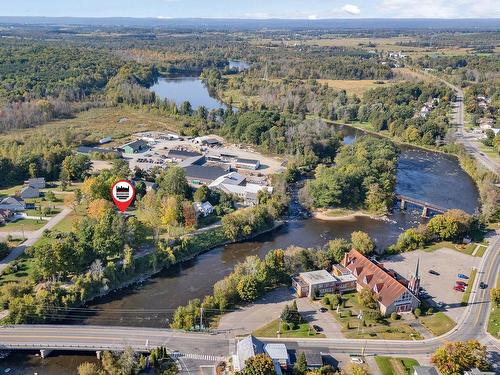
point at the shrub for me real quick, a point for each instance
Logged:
(417, 312)
(394, 316)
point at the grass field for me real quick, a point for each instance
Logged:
(494, 319)
(384, 329)
(470, 284)
(357, 87)
(18, 270)
(395, 366)
(270, 329)
(23, 224)
(438, 323)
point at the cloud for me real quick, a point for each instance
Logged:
(351, 9)
(438, 8)
(312, 17)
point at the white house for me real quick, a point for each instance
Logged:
(38, 182)
(13, 204)
(203, 209)
(278, 354)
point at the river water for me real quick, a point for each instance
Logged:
(433, 177)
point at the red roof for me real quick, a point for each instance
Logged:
(373, 277)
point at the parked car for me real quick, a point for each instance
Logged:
(323, 309)
(461, 283)
(317, 328)
(462, 276)
(458, 288)
(432, 272)
(483, 285)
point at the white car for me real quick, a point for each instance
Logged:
(357, 360)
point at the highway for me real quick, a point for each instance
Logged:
(72, 337)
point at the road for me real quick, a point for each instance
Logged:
(31, 238)
(472, 325)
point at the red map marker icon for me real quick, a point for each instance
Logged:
(123, 193)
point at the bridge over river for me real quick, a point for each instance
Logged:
(426, 206)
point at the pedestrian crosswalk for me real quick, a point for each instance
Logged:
(200, 357)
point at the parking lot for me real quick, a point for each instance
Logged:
(448, 263)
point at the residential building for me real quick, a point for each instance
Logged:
(203, 209)
(247, 164)
(424, 370)
(236, 184)
(134, 147)
(38, 182)
(391, 294)
(5, 216)
(278, 354)
(29, 192)
(307, 284)
(14, 204)
(314, 359)
(245, 349)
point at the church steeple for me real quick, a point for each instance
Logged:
(414, 284)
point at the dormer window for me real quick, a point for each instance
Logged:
(357, 271)
(378, 287)
(367, 279)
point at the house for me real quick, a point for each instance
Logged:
(139, 145)
(236, 184)
(203, 209)
(308, 284)
(38, 182)
(245, 349)
(391, 294)
(14, 204)
(424, 370)
(247, 164)
(29, 192)
(278, 354)
(313, 359)
(476, 371)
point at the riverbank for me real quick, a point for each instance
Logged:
(340, 214)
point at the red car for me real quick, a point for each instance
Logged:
(461, 283)
(458, 288)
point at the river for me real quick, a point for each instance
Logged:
(430, 176)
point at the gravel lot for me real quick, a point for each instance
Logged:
(448, 263)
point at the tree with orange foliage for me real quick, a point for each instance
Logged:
(97, 208)
(189, 214)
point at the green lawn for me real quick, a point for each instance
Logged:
(396, 366)
(270, 329)
(23, 224)
(494, 320)
(18, 270)
(438, 323)
(470, 284)
(384, 329)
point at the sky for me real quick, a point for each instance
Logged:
(256, 9)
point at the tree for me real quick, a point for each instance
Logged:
(248, 288)
(170, 211)
(455, 357)
(362, 242)
(88, 368)
(337, 248)
(75, 167)
(201, 194)
(97, 207)
(354, 369)
(188, 214)
(148, 211)
(261, 364)
(300, 366)
(173, 182)
(495, 295)
(366, 298)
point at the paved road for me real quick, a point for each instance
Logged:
(31, 238)
(471, 325)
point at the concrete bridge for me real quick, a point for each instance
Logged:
(426, 206)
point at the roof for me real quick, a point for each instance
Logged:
(195, 171)
(137, 144)
(313, 358)
(36, 179)
(317, 277)
(247, 348)
(232, 178)
(88, 150)
(276, 351)
(12, 200)
(182, 154)
(247, 161)
(425, 370)
(373, 277)
(29, 187)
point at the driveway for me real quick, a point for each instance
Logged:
(310, 312)
(448, 263)
(32, 237)
(264, 310)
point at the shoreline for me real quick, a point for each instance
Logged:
(351, 216)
